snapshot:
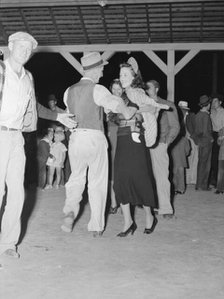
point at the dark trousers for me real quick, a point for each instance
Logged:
(204, 165)
(220, 181)
(214, 160)
(30, 148)
(42, 173)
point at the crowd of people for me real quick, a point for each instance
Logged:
(143, 153)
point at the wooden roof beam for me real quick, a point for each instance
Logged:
(184, 61)
(126, 23)
(133, 47)
(32, 3)
(73, 61)
(129, 47)
(107, 55)
(55, 25)
(83, 25)
(3, 33)
(155, 58)
(148, 23)
(104, 24)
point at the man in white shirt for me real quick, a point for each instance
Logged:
(17, 111)
(88, 145)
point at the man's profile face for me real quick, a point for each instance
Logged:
(151, 89)
(215, 103)
(101, 68)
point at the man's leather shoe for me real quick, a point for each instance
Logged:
(179, 192)
(218, 192)
(202, 189)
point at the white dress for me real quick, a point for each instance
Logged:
(57, 150)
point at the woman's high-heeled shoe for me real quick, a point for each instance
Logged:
(151, 229)
(131, 230)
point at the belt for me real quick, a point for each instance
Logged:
(127, 123)
(4, 128)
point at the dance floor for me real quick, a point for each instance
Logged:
(182, 259)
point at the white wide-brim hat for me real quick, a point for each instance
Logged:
(92, 60)
(183, 105)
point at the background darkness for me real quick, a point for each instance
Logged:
(53, 74)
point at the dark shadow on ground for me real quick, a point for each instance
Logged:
(2, 208)
(28, 207)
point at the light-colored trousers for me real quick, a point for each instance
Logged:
(160, 165)
(12, 167)
(88, 150)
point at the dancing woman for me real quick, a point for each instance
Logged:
(133, 177)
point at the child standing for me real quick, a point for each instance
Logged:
(56, 160)
(43, 151)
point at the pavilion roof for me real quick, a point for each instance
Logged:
(72, 22)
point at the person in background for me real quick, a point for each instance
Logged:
(18, 112)
(180, 150)
(112, 128)
(52, 103)
(217, 164)
(88, 144)
(56, 159)
(168, 130)
(43, 152)
(217, 117)
(191, 171)
(203, 132)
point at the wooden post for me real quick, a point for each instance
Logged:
(171, 75)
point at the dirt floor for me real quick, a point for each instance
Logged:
(183, 258)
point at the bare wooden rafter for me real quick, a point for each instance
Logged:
(73, 26)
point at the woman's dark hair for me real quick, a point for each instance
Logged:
(137, 81)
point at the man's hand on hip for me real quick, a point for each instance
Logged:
(67, 119)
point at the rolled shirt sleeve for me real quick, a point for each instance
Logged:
(105, 99)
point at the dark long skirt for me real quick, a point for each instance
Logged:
(133, 176)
